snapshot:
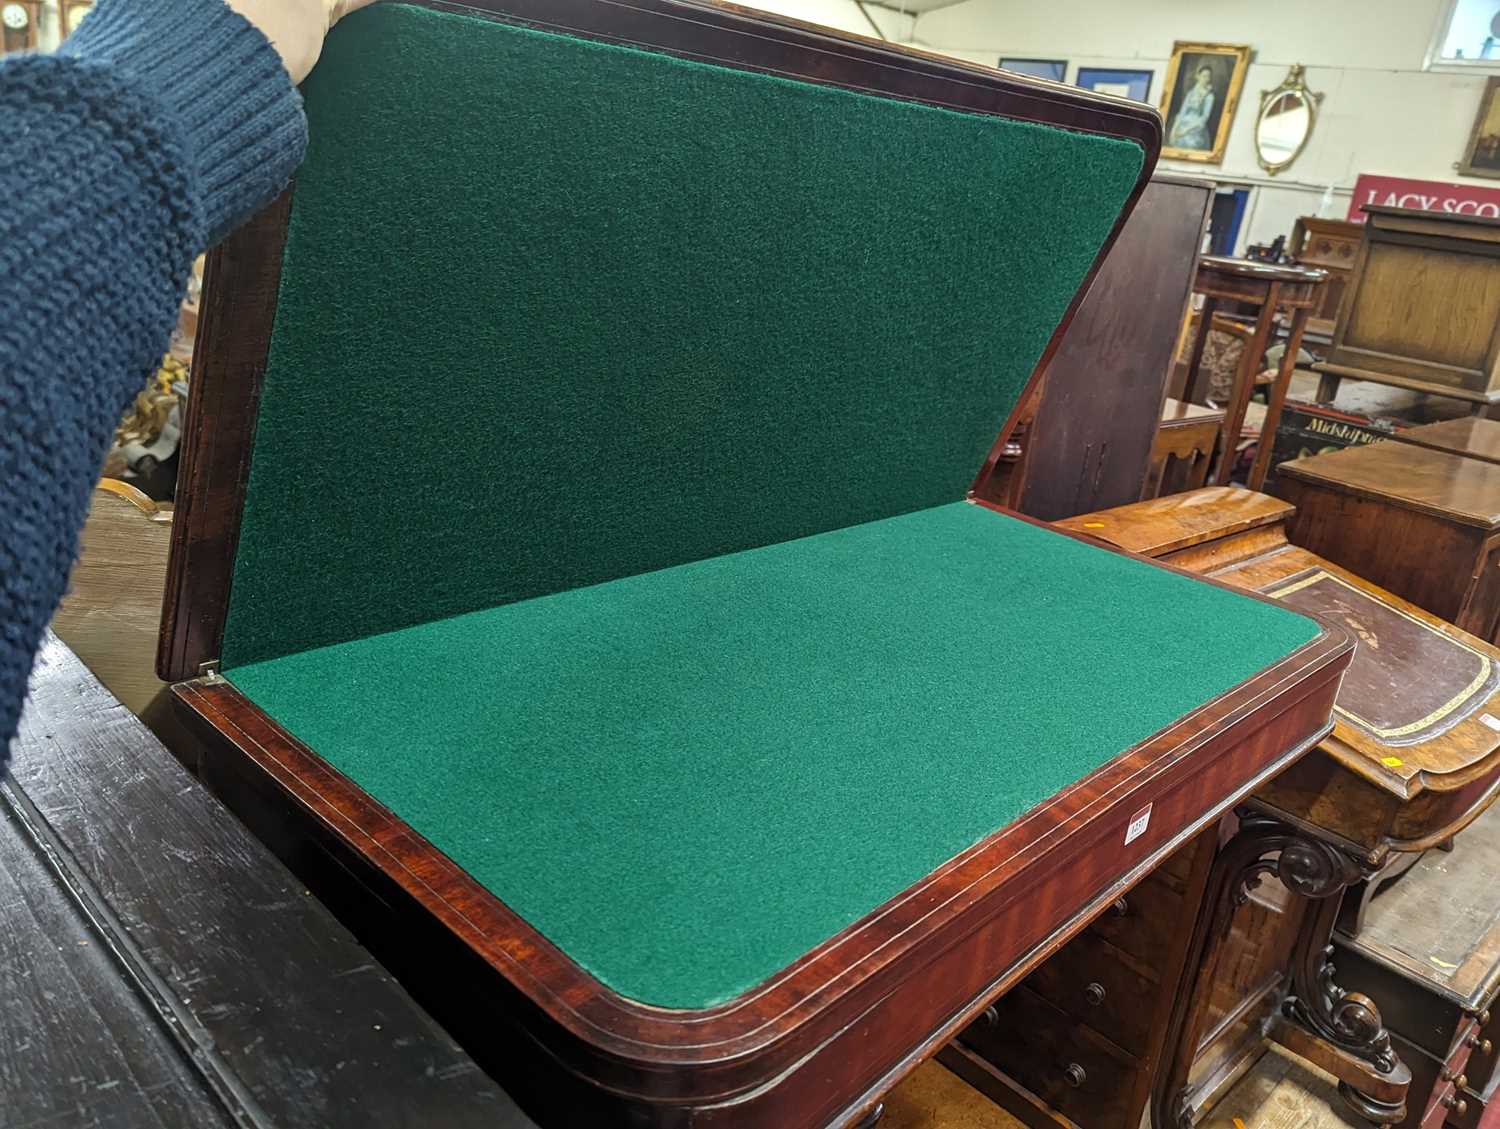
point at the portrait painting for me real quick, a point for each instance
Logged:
(1202, 89)
(1482, 157)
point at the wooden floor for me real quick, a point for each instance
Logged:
(936, 1098)
(1279, 1092)
(1283, 1092)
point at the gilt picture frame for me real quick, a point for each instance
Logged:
(1482, 154)
(1199, 97)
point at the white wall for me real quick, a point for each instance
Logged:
(842, 14)
(1381, 112)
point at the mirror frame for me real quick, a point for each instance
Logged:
(1295, 82)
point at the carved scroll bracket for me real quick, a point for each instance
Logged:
(1318, 870)
(1372, 1077)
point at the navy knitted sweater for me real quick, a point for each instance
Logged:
(152, 132)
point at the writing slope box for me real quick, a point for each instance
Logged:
(576, 574)
(1414, 755)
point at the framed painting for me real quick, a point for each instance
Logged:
(1055, 69)
(1199, 99)
(1482, 157)
(1132, 84)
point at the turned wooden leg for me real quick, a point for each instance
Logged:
(1339, 1031)
(1276, 400)
(1328, 387)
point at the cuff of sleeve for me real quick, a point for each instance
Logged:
(234, 107)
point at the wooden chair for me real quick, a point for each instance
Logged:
(1275, 291)
(1221, 357)
(1184, 448)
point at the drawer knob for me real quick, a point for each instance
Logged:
(1459, 1082)
(1483, 1046)
(1120, 907)
(1075, 1075)
(1456, 1104)
(1094, 993)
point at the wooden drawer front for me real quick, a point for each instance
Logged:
(1437, 1109)
(1146, 923)
(1471, 1065)
(1481, 1067)
(1069, 1067)
(1464, 1044)
(1099, 985)
(1436, 1084)
(1469, 1109)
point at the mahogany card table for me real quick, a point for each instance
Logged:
(685, 735)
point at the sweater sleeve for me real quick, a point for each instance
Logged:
(155, 129)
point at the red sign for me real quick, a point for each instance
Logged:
(1422, 195)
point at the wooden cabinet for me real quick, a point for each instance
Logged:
(1423, 523)
(1334, 246)
(1471, 436)
(1422, 309)
(1429, 950)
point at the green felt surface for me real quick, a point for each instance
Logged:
(687, 779)
(554, 312)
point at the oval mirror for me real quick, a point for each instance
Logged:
(1285, 122)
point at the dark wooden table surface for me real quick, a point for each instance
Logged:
(160, 968)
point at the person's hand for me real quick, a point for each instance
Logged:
(296, 27)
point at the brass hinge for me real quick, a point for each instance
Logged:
(209, 671)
